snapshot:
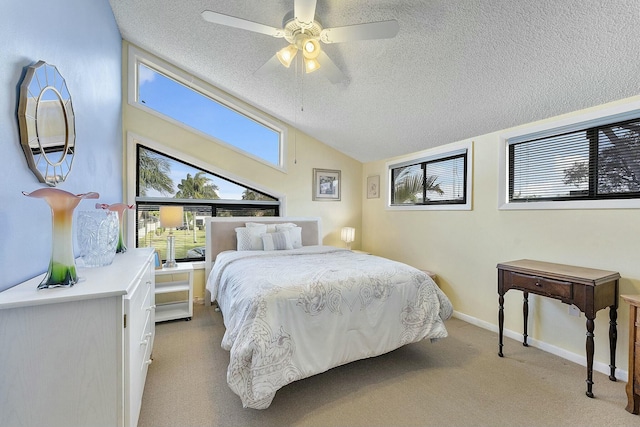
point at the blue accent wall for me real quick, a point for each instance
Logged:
(82, 40)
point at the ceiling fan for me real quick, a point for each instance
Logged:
(304, 33)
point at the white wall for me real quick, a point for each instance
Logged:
(464, 247)
(82, 40)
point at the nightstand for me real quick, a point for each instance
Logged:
(178, 280)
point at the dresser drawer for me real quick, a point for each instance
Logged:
(543, 286)
(146, 341)
(139, 334)
(141, 326)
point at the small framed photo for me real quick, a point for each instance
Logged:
(326, 184)
(158, 263)
(373, 187)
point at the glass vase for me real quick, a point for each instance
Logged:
(62, 267)
(120, 209)
(97, 237)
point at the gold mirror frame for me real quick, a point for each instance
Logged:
(47, 123)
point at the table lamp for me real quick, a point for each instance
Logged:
(348, 235)
(170, 217)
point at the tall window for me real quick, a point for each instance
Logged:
(596, 163)
(440, 179)
(164, 180)
(166, 91)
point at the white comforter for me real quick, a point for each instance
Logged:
(295, 313)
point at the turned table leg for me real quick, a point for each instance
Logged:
(500, 322)
(589, 347)
(525, 313)
(613, 338)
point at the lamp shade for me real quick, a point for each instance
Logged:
(311, 65)
(311, 49)
(286, 55)
(348, 234)
(170, 216)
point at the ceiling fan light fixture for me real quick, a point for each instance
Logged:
(304, 32)
(311, 48)
(311, 65)
(286, 55)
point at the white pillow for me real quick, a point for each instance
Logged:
(276, 241)
(295, 233)
(285, 225)
(249, 238)
(271, 228)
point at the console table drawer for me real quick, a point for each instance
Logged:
(541, 285)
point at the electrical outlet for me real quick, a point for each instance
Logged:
(574, 311)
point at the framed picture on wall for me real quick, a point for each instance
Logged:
(326, 184)
(373, 187)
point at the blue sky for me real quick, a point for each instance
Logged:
(201, 112)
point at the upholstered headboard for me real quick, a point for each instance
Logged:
(221, 234)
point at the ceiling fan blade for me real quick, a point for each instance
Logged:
(369, 31)
(304, 11)
(243, 24)
(268, 67)
(329, 69)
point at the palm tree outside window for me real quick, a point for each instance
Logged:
(433, 181)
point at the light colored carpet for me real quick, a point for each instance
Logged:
(458, 381)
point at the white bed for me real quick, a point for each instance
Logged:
(293, 313)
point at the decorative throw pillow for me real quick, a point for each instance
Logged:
(296, 237)
(249, 238)
(243, 239)
(276, 241)
(294, 231)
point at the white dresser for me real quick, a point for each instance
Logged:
(78, 356)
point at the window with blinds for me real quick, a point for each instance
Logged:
(600, 162)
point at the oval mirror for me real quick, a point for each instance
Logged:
(47, 123)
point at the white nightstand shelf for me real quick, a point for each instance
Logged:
(180, 281)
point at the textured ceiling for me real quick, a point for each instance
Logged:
(456, 69)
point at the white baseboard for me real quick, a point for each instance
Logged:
(573, 357)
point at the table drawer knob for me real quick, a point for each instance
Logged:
(538, 284)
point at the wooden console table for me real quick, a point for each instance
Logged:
(588, 289)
